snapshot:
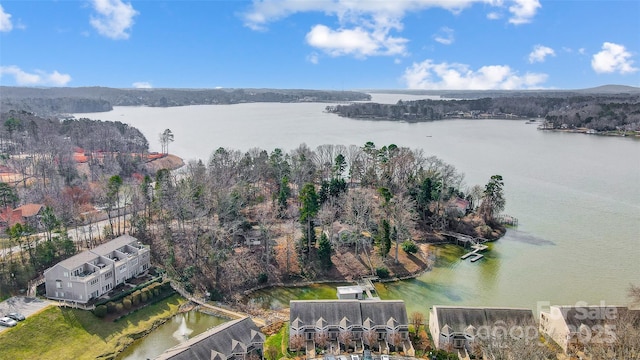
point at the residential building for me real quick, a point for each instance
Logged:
(27, 214)
(458, 328)
(571, 327)
(238, 339)
(342, 324)
(95, 272)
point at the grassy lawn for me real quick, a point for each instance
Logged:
(276, 341)
(60, 333)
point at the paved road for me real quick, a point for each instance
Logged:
(81, 234)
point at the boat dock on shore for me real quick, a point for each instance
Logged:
(476, 244)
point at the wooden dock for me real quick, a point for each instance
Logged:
(476, 244)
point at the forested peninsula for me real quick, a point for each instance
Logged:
(602, 112)
(242, 219)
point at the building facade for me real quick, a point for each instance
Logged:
(95, 272)
(338, 325)
(573, 327)
(458, 328)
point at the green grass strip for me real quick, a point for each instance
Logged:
(61, 333)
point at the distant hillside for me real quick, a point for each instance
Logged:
(611, 89)
(52, 101)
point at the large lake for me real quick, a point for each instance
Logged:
(577, 197)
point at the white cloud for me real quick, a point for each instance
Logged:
(313, 58)
(613, 58)
(142, 85)
(5, 21)
(444, 36)
(365, 27)
(540, 53)
(37, 78)
(582, 51)
(523, 11)
(443, 76)
(114, 18)
(494, 15)
(358, 42)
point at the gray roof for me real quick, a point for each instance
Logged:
(222, 340)
(332, 311)
(89, 255)
(380, 311)
(459, 318)
(114, 244)
(77, 260)
(356, 312)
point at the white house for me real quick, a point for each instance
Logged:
(571, 327)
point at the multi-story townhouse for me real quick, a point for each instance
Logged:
(95, 272)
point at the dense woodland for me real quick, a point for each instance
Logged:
(54, 101)
(293, 207)
(39, 165)
(597, 112)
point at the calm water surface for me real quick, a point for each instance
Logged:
(576, 196)
(175, 331)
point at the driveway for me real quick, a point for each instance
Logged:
(27, 306)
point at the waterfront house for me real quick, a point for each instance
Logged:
(459, 328)
(238, 339)
(93, 273)
(571, 327)
(350, 325)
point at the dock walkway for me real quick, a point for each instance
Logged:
(475, 243)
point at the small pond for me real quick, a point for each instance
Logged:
(175, 331)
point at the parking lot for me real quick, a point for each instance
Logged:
(24, 305)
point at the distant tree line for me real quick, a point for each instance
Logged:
(54, 101)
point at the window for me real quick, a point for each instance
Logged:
(123, 269)
(94, 281)
(58, 284)
(108, 274)
(135, 261)
(69, 285)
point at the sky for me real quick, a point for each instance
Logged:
(321, 44)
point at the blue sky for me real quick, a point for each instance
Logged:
(321, 44)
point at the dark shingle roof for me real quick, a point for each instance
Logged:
(348, 312)
(221, 341)
(332, 311)
(380, 311)
(459, 318)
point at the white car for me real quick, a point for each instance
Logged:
(384, 357)
(355, 357)
(5, 321)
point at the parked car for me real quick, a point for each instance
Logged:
(384, 357)
(355, 357)
(16, 316)
(5, 321)
(342, 357)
